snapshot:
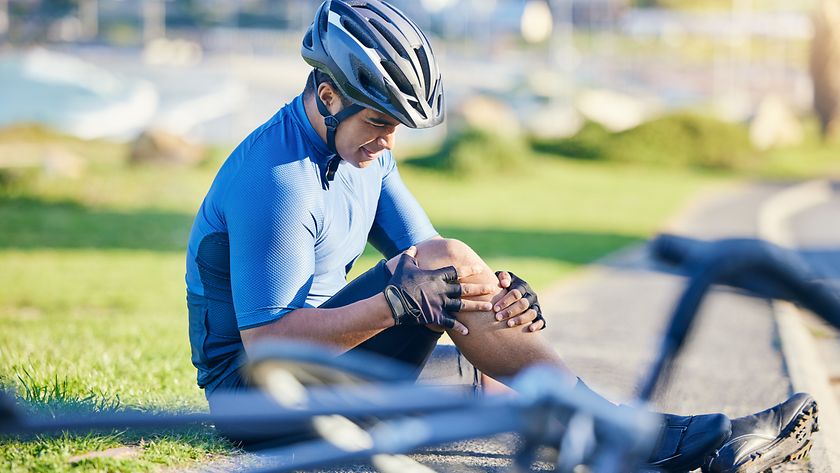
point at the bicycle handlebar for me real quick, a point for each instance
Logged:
(756, 265)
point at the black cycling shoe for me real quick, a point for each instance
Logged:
(686, 441)
(759, 441)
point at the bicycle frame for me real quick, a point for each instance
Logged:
(757, 266)
(412, 417)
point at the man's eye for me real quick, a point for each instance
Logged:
(376, 125)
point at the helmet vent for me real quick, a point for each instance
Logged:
(358, 32)
(382, 14)
(390, 38)
(424, 65)
(398, 77)
(416, 105)
(323, 21)
(370, 85)
(307, 39)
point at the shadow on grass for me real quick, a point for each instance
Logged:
(35, 224)
(56, 401)
(570, 247)
(29, 223)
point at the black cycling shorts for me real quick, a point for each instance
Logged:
(409, 344)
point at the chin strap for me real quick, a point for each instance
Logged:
(331, 122)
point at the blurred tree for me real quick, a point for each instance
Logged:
(255, 15)
(29, 21)
(89, 16)
(187, 13)
(4, 16)
(825, 67)
(58, 8)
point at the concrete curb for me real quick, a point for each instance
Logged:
(805, 366)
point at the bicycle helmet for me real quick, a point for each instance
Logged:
(378, 58)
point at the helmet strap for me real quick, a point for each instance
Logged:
(331, 122)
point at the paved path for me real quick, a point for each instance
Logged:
(608, 322)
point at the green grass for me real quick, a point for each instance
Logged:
(92, 304)
(553, 216)
(92, 310)
(811, 159)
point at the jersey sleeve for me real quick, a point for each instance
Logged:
(272, 245)
(400, 221)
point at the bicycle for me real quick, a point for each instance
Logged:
(365, 408)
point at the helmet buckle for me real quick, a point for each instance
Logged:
(331, 122)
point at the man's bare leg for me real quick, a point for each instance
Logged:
(501, 351)
(491, 346)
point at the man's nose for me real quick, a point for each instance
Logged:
(386, 141)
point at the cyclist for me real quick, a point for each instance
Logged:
(294, 205)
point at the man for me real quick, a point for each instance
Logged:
(296, 202)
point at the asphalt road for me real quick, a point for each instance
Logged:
(607, 324)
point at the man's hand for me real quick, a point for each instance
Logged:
(520, 305)
(417, 296)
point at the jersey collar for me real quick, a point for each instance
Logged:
(299, 114)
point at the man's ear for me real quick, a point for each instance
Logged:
(330, 98)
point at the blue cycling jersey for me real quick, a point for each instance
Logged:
(271, 237)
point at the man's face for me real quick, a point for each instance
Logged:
(362, 138)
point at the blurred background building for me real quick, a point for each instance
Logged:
(213, 69)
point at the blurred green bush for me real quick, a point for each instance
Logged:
(680, 139)
(590, 142)
(474, 151)
(685, 139)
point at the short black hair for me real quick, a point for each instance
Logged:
(322, 77)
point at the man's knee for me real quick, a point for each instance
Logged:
(440, 252)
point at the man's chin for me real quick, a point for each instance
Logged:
(360, 160)
(363, 162)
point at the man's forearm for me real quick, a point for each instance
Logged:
(342, 327)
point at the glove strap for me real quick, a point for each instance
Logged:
(400, 308)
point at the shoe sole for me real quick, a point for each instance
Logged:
(795, 438)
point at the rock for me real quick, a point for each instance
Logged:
(172, 52)
(614, 110)
(554, 121)
(486, 114)
(155, 146)
(775, 125)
